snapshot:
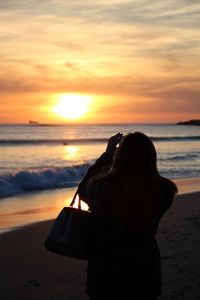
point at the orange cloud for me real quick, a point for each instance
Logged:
(138, 59)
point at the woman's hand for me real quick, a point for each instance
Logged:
(112, 143)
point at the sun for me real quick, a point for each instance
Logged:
(72, 106)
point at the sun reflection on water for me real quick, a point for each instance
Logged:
(71, 151)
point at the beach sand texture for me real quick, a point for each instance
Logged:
(30, 272)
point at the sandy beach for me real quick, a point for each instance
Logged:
(30, 272)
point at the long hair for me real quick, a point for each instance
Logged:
(135, 157)
(134, 178)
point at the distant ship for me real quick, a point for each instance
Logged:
(190, 122)
(33, 122)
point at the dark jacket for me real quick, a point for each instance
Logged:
(124, 261)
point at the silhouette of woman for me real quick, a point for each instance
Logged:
(128, 197)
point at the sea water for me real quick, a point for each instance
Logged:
(36, 157)
(41, 165)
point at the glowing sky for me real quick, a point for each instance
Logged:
(139, 60)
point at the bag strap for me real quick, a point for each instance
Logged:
(74, 198)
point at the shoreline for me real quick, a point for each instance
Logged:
(29, 271)
(187, 185)
(32, 207)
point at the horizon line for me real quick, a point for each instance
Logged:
(100, 123)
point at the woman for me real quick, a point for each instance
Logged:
(128, 197)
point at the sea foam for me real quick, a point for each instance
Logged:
(32, 180)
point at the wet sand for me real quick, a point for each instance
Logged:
(179, 242)
(30, 272)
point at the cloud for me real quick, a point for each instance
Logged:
(178, 99)
(142, 51)
(120, 12)
(17, 85)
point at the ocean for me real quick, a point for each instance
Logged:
(34, 157)
(40, 166)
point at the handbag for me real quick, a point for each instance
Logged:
(72, 232)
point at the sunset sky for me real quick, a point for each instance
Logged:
(134, 61)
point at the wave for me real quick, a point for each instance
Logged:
(53, 178)
(176, 138)
(181, 157)
(88, 140)
(185, 157)
(33, 180)
(52, 141)
(180, 174)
